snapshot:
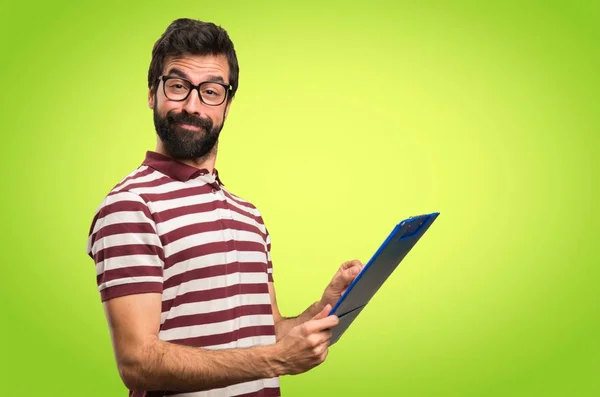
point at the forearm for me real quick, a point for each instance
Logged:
(285, 324)
(168, 366)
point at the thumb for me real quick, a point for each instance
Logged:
(323, 313)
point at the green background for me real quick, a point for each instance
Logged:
(348, 118)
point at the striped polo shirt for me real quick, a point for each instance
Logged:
(173, 229)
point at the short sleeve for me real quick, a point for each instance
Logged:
(269, 260)
(126, 248)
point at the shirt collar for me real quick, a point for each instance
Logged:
(176, 169)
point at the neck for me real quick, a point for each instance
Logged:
(205, 162)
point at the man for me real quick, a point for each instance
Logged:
(183, 266)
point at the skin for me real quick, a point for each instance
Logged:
(196, 69)
(147, 363)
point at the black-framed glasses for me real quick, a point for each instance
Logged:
(178, 89)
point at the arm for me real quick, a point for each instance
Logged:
(147, 363)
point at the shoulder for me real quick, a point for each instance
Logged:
(122, 209)
(243, 204)
(122, 195)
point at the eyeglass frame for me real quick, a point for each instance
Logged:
(163, 78)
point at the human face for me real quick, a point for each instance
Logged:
(190, 129)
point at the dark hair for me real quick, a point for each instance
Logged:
(191, 37)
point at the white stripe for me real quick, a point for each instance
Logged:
(186, 220)
(216, 259)
(127, 261)
(147, 178)
(251, 211)
(168, 187)
(123, 196)
(215, 305)
(129, 280)
(250, 221)
(234, 390)
(168, 204)
(109, 220)
(260, 340)
(122, 217)
(205, 198)
(133, 173)
(238, 200)
(214, 282)
(194, 240)
(205, 217)
(118, 240)
(217, 328)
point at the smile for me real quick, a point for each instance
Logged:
(190, 127)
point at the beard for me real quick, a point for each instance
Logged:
(184, 144)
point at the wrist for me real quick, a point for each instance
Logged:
(273, 355)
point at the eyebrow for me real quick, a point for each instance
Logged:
(179, 73)
(215, 77)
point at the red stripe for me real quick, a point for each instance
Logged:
(216, 270)
(153, 183)
(239, 200)
(213, 248)
(178, 193)
(125, 206)
(176, 212)
(204, 227)
(266, 392)
(130, 289)
(216, 316)
(247, 214)
(215, 293)
(138, 174)
(126, 250)
(120, 206)
(129, 272)
(200, 208)
(219, 339)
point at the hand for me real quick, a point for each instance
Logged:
(306, 345)
(340, 282)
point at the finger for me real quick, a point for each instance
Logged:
(323, 313)
(319, 338)
(319, 349)
(342, 280)
(352, 263)
(354, 270)
(322, 324)
(348, 275)
(325, 336)
(324, 355)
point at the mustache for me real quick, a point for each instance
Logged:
(185, 118)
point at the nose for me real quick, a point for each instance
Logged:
(192, 104)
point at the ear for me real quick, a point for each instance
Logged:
(151, 98)
(227, 109)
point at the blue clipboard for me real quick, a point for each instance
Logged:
(372, 276)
